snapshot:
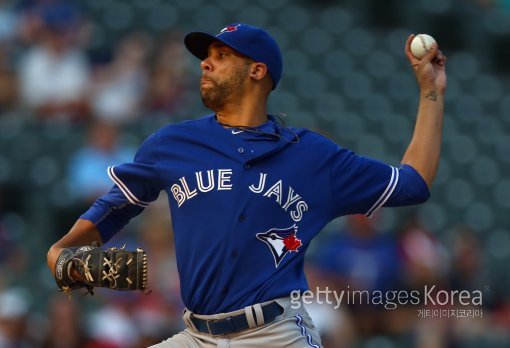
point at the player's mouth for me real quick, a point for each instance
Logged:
(205, 81)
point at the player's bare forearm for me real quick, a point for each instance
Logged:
(83, 232)
(424, 151)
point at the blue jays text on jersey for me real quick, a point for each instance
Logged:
(245, 206)
(222, 181)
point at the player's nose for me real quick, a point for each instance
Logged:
(205, 64)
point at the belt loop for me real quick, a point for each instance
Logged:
(249, 317)
(187, 319)
(259, 314)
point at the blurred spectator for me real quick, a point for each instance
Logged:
(8, 22)
(14, 310)
(156, 320)
(54, 72)
(87, 170)
(503, 4)
(360, 257)
(8, 31)
(169, 76)
(118, 87)
(423, 255)
(13, 254)
(65, 327)
(8, 86)
(112, 325)
(424, 264)
(468, 270)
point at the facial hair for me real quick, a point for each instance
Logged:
(215, 97)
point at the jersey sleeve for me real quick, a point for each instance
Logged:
(411, 188)
(110, 213)
(136, 184)
(361, 185)
(139, 180)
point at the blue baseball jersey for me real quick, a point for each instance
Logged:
(245, 206)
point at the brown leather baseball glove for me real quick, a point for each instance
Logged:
(113, 268)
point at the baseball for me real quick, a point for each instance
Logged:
(421, 44)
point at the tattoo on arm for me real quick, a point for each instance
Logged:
(431, 96)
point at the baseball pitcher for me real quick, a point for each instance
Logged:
(247, 195)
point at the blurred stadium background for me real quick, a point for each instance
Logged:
(82, 83)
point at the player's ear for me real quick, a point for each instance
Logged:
(258, 71)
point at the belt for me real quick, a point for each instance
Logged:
(236, 323)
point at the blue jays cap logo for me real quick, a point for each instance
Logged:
(281, 242)
(229, 28)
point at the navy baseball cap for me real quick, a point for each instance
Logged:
(251, 41)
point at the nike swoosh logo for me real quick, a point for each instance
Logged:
(237, 131)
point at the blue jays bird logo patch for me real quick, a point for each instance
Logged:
(281, 242)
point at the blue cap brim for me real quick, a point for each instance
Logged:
(198, 43)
